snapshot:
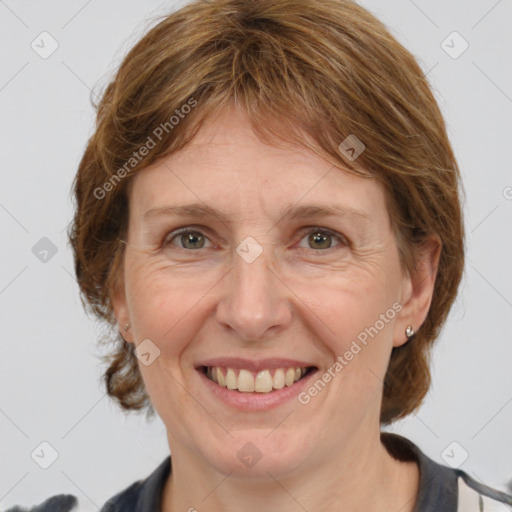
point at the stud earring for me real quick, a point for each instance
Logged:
(126, 327)
(409, 332)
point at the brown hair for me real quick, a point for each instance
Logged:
(311, 72)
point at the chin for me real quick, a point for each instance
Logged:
(256, 453)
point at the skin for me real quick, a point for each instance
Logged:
(296, 300)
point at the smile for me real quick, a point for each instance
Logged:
(263, 381)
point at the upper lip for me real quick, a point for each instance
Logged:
(253, 365)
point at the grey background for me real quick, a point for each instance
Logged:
(50, 373)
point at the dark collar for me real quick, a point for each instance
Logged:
(144, 495)
(438, 488)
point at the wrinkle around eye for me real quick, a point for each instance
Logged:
(160, 242)
(154, 266)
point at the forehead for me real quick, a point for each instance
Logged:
(228, 167)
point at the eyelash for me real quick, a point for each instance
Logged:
(174, 234)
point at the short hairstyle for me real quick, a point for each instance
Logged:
(309, 72)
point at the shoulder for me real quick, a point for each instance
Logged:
(125, 500)
(445, 489)
(141, 496)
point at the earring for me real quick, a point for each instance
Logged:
(409, 332)
(126, 327)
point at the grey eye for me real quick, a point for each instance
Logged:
(189, 239)
(320, 239)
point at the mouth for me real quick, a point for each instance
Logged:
(254, 385)
(244, 380)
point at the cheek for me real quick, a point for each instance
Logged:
(163, 306)
(354, 313)
(347, 303)
(165, 311)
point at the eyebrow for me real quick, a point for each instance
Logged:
(308, 211)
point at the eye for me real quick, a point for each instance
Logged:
(190, 238)
(319, 238)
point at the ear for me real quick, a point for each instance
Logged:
(418, 289)
(120, 305)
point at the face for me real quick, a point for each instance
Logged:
(296, 276)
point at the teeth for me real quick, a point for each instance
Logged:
(278, 380)
(263, 382)
(220, 378)
(290, 376)
(231, 379)
(249, 382)
(245, 381)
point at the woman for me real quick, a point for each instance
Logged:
(269, 210)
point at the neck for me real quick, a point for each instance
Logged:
(355, 478)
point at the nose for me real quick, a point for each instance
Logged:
(255, 302)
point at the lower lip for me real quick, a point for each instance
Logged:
(256, 401)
